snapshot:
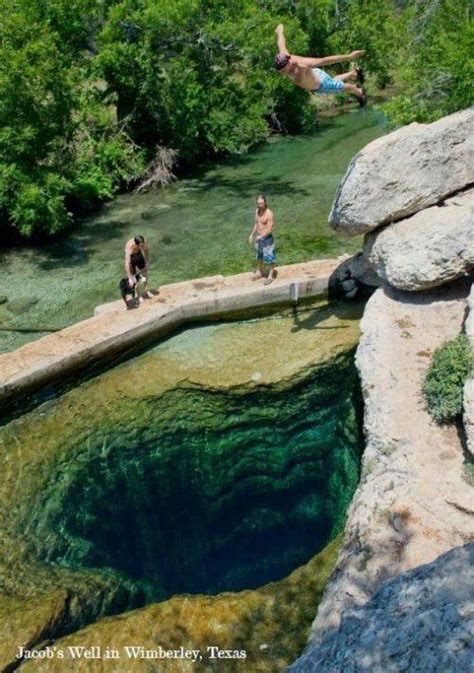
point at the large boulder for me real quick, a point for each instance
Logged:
(428, 249)
(401, 173)
(420, 621)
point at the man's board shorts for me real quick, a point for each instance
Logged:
(137, 261)
(265, 249)
(328, 83)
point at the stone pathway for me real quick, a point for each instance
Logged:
(114, 329)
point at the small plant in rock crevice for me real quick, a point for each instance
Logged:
(450, 366)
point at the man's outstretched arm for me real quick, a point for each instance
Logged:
(281, 39)
(310, 62)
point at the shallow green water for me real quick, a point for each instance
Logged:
(196, 227)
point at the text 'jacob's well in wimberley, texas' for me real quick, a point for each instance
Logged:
(128, 652)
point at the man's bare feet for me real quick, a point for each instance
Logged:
(149, 295)
(257, 275)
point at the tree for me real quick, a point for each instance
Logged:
(436, 64)
(57, 133)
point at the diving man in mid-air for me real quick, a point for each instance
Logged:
(305, 72)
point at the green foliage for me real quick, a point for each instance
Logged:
(319, 19)
(198, 76)
(54, 148)
(443, 386)
(103, 155)
(90, 88)
(468, 473)
(370, 25)
(35, 107)
(436, 64)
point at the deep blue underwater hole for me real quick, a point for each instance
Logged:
(203, 491)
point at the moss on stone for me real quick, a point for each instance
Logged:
(271, 624)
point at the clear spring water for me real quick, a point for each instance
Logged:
(196, 227)
(214, 491)
(212, 462)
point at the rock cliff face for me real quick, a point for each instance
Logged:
(412, 190)
(404, 172)
(412, 503)
(419, 621)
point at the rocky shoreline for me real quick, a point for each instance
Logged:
(413, 503)
(415, 500)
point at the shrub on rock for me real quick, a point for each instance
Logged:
(444, 383)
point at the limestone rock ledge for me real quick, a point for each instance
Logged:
(404, 172)
(418, 621)
(412, 503)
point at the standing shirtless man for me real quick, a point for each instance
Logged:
(305, 72)
(137, 261)
(262, 238)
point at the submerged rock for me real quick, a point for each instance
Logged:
(420, 621)
(20, 306)
(431, 248)
(401, 173)
(268, 625)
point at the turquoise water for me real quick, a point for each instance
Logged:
(210, 462)
(204, 491)
(196, 227)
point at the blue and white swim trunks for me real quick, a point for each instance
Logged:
(265, 249)
(328, 83)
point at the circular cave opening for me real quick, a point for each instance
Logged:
(203, 491)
